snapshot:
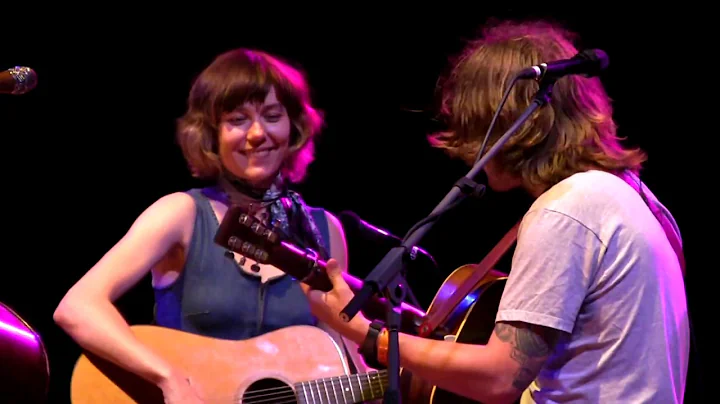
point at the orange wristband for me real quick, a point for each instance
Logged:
(382, 346)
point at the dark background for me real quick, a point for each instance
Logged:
(93, 144)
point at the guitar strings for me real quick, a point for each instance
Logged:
(273, 394)
(295, 396)
(363, 380)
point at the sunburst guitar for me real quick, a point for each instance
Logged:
(472, 322)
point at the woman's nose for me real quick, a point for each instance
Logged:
(256, 133)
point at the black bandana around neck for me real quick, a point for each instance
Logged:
(288, 212)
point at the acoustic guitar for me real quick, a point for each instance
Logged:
(472, 321)
(24, 366)
(297, 364)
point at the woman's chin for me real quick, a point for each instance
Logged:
(259, 176)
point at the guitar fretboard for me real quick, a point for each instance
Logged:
(343, 389)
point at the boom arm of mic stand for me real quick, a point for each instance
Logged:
(392, 264)
(387, 274)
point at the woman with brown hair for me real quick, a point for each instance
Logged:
(249, 128)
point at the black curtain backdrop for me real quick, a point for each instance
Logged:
(93, 144)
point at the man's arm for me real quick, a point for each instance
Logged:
(497, 372)
(494, 373)
(547, 285)
(530, 346)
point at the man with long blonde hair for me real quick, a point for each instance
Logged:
(594, 309)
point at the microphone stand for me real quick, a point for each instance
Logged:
(387, 275)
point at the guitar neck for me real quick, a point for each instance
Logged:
(245, 235)
(312, 272)
(346, 389)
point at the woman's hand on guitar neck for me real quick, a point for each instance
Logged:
(179, 389)
(326, 306)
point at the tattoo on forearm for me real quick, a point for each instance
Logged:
(530, 347)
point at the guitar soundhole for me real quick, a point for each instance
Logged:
(269, 391)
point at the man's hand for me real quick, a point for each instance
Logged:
(326, 306)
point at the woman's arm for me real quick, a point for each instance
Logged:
(87, 312)
(338, 245)
(339, 251)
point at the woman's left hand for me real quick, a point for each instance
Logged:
(326, 306)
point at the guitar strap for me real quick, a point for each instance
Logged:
(444, 308)
(441, 311)
(664, 221)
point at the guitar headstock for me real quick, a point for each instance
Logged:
(246, 235)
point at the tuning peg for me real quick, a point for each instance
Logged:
(245, 219)
(261, 255)
(257, 228)
(270, 236)
(234, 243)
(247, 249)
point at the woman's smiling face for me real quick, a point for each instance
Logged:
(254, 140)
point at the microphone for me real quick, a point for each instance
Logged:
(588, 63)
(17, 80)
(379, 236)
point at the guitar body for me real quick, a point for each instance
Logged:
(24, 368)
(472, 322)
(226, 371)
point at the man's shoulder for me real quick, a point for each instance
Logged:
(587, 196)
(582, 185)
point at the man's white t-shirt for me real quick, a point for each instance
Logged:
(593, 261)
